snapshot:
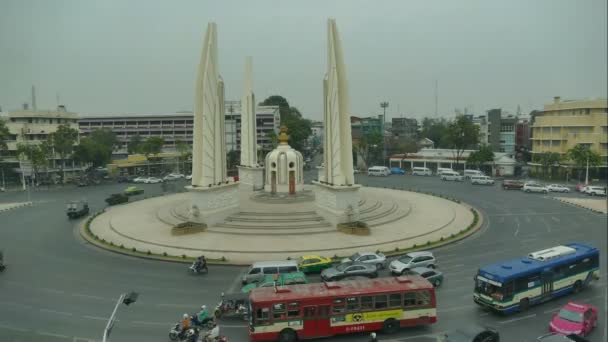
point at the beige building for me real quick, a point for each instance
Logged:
(564, 124)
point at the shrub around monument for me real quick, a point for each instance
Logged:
(188, 228)
(354, 228)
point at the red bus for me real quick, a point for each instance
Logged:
(289, 313)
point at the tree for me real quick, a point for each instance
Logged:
(579, 155)
(62, 141)
(4, 135)
(36, 155)
(96, 148)
(134, 144)
(232, 159)
(482, 156)
(548, 159)
(435, 130)
(184, 151)
(460, 135)
(152, 146)
(277, 100)
(370, 148)
(299, 129)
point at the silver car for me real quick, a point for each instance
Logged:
(349, 269)
(433, 276)
(412, 260)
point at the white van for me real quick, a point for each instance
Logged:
(378, 171)
(451, 176)
(258, 270)
(440, 170)
(470, 173)
(422, 171)
(482, 180)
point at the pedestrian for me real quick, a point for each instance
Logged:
(372, 337)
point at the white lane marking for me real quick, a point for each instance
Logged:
(91, 297)
(551, 310)
(18, 305)
(516, 229)
(53, 334)
(9, 327)
(153, 323)
(484, 314)
(418, 336)
(98, 318)
(533, 213)
(529, 240)
(528, 219)
(456, 308)
(517, 319)
(51, 290)
(555, 219)
(55, 312)
(185, 306)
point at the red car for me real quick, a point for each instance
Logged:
(574, 318)
(512, 184)
(580, 187)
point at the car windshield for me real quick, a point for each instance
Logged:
(355, 256)
(572, 316)
(486, 288)
(342, 267)
(405, 259)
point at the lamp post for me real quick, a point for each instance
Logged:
(384, 105)
(587, 171)
(126, 299)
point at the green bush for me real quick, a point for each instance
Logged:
(183, 256)
(428, 243)
(149, 252)
(441, 239)
(223, 258)
(134, 249)
(396, 249)
(164, 253)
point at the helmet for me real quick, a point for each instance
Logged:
(372, 335)
(204, 307)
(186, 315)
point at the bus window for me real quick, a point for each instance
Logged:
(352, 304)
(423, 298)
(338, 306)
(409, 299)
(278, 311)
(380, 302)
(293, 309)
(262, 316)
(367, 302)
(394, 300)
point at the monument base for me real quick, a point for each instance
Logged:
(337, 204)
(214, 204)
(251, 178)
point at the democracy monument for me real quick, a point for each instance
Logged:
(270, 213)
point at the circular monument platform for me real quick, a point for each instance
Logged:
(264, 229)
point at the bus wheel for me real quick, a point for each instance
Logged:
(390, 326)
(577, 287)
(524, 304)
(288, 335)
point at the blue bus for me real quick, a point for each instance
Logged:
(513, 285)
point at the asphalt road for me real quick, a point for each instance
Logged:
(57, 288)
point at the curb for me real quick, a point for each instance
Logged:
(464, 233)
(20, 205)
(580, 206)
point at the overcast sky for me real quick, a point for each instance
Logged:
(119, 56)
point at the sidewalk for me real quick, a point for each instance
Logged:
(595, 205)
(9, 206)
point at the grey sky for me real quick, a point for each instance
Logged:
(117, 56)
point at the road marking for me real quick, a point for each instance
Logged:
(516, 229)
(456, 308)
(552, 310)
(484, 314)
(555, 219)
(153, 323)
(528, 240)
(98, 318)
(53, 334)
(185, 306)
(56, 312)
(535, 214)
(517, 319)
(18, 305)
(51, 290)
(90, 297)
(9, 327)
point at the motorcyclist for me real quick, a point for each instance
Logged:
(213, 334)
(184, 325)
(1, 261)
(203, 264)
(203, 315)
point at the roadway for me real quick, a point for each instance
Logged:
(57, 288)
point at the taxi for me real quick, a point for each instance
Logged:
(313, 263)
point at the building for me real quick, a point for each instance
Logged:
(174, 127)
(522, 134)
(482, 122)
(404, 128)
(562, 125)
(500, 131)
(33, 127)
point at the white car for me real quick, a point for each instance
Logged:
(153, 180)
(482, 180)
(535, 187)
(173, 176)
(140, 180)
(451, 176)
(412, 260)
(377, 259)
(594, 190)
(189, 177)
(558, 188)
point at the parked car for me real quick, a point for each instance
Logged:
(281, 280)
(472, 334)
(313, 263)
(553, 337)
(482, 180)
(76, 209)
(580, 187)
(441, 170)
(140, 179)
(173, 176)
(558, 188)
(432, 275)
(133, 190)
(377, 259)
(397, 171)
(125, 179)
(349, 269)
(188, 177)
(117, 199)
(574, 318)
(412, 260)
(535, 187)
(451, 176)
(509, 184)
(153, 180)
(594, 190)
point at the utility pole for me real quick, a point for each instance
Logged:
(436, 98)
(384, 105)
(587, 171)
(126, 299)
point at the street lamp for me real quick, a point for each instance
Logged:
(126, 299)
(384, 105)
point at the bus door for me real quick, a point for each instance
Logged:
(316, 321)
(546, 282)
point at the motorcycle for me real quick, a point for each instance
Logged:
(198, 268)
(232, 305)
(176, 331)
(2, 266)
